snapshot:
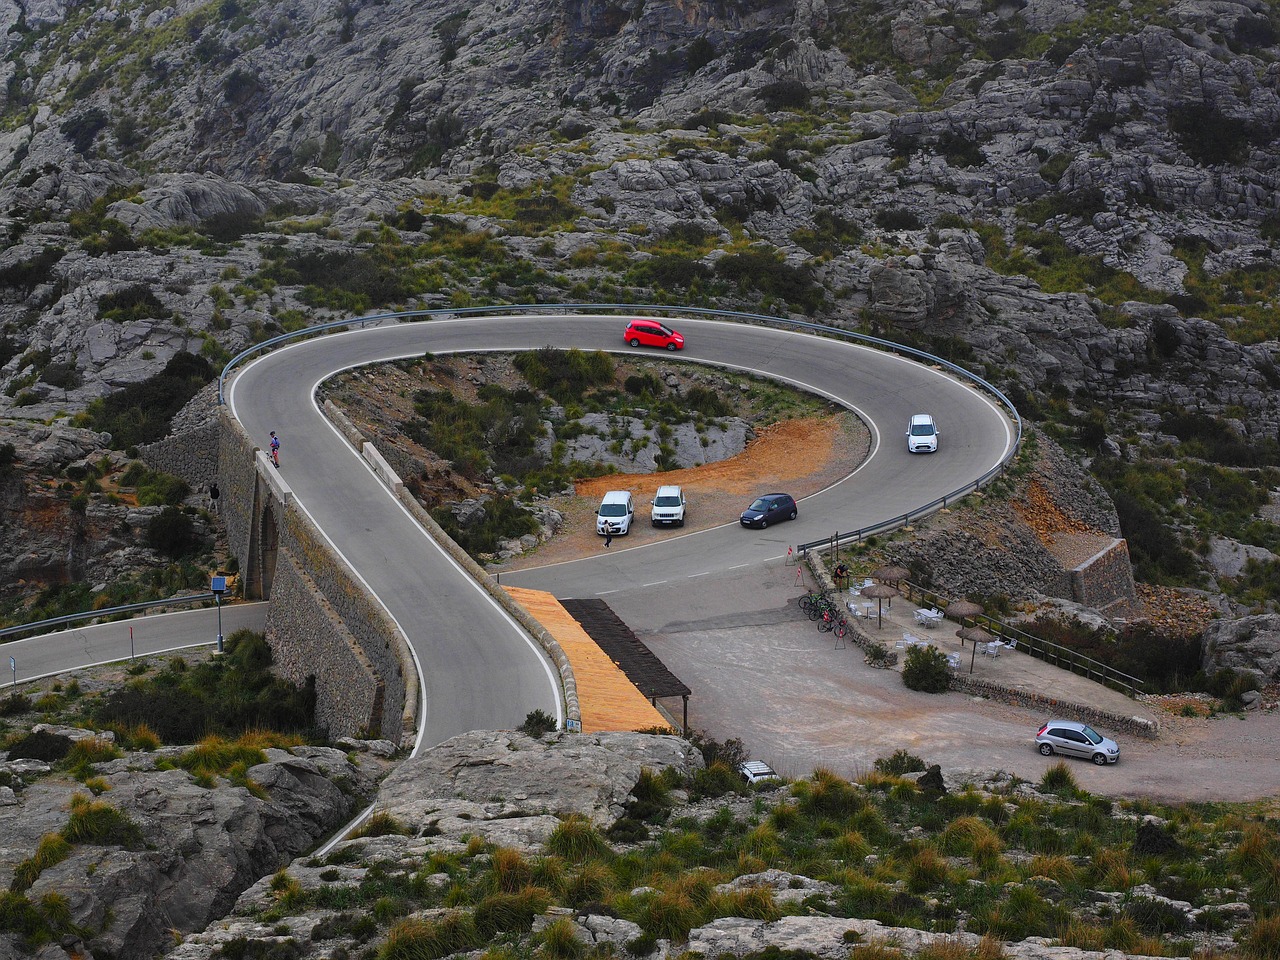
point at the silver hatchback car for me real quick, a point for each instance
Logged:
(1074, 739)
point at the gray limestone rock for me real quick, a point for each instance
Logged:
(1250, 644)
(558, 774)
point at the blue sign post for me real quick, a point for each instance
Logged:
(219, 586)
(13, 665)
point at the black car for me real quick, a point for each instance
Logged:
(771, 508)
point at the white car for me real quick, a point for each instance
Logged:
(922, 434)
(1075, 739)
(616, 512)
(757, 771)
(668, 506)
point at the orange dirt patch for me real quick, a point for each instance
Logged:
(776, 456)
(799, 457)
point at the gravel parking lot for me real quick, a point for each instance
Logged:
(760, 673)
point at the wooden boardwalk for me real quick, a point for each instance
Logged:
(608, 700)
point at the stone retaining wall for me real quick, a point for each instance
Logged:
(350, 696)
(1105, 578)
(1138, 726)
(368, 630)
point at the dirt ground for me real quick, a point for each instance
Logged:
(799, 457)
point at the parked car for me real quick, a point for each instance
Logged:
(651, 333)
(771, 508)
(616, 513)
(1074, 739)
(757, 771)
(922, 434)
(668, 506)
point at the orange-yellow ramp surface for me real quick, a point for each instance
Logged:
(608, 700)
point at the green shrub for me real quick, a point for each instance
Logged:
(1059, 779)
(784, 95)
(227, 696)
(133, 303)
(565, 375)
(98, 822)
(15, 704)
(925, 669)
(26, 275)
(576, 839)
(538, 722)
(900, 762)
(898, 218)
(716, 780)
(1155, 917)
(43, 745)
(172, 533)
(766, 272)
(825, 794)
(141, 412)
(381, 824)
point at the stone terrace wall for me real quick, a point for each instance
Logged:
(1105, 578)
(1139, 726)
(191, 451)
(310, 641)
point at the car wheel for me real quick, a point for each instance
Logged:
(1046, 750)
(634, 342)
(763, 523)
(1100, 759)
(671, 347)
(793, 515)
(680, 522)
(655, 523)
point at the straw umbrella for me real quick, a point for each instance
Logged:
(879, 592)
(963, 609)
(974, 635)
(890, 573)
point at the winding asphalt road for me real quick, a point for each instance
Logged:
(479, 669)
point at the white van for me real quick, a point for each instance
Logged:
(616, 513)
(922, 434)
(668, 506)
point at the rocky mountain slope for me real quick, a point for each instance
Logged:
(180, 176)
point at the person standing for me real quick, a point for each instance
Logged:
(608, 535)
(275, 449)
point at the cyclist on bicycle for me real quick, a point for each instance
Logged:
(275, 449)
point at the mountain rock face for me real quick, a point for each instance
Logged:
(213, 155)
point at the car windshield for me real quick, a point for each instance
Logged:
(922, 429)
(760, 503)
(666, 502)
(613, 509)
(1092, 735)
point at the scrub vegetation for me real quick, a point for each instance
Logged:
(1006, 861)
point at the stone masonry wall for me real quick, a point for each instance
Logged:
(372, 631)
(238, 483)
(310, 641)
(191, 451)
(975, 686)
(1105, 578)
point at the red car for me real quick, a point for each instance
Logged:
(651, 333)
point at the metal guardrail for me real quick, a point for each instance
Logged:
(39, 625)
(1041, 649)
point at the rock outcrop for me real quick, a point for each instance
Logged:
(195, 847)
(1249, 645)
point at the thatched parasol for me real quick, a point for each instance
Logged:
(890, 573)
(963, 609)
(880, 592)
(974, 635)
